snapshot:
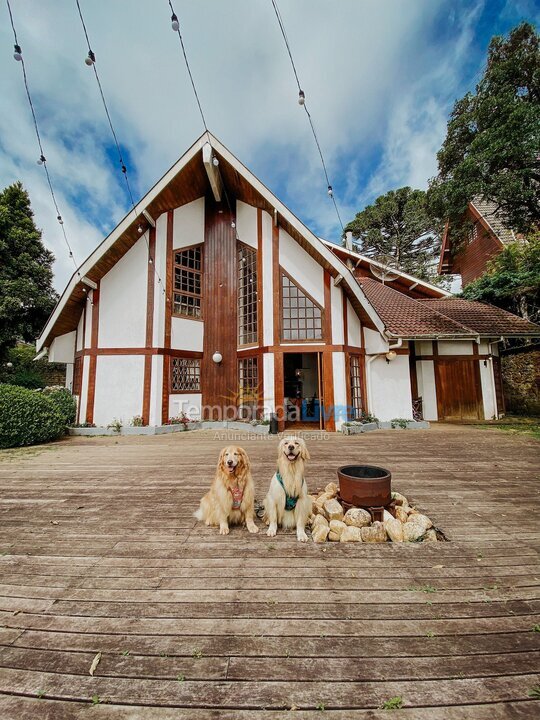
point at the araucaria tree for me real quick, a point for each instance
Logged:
(26, 292)
(492, 147)
(398, 225)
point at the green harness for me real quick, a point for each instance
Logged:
(290, 501)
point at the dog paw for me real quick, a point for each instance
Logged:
(253, 529)
(224, 530)
(271, 532)
(302, 537)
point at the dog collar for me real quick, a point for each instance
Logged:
(290, 501)
(237, 495)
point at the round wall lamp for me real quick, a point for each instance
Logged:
(217, 357)
(391, 355)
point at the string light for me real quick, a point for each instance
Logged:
(42, 161)
(91, 61)
(302, 101)
(215, 161)
(174, 23)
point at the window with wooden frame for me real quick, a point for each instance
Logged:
(356, 370)
(77, 376)
(185, 375)
(247, 295)
(188, 282)
(248, 387)
(301, 316)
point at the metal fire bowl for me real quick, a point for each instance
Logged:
(365, 485)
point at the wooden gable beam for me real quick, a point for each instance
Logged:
(211, 170)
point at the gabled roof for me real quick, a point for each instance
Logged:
(186, 181)
(405, 317)
(489, 210)
(484, 319)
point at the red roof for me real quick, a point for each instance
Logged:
(445, 317)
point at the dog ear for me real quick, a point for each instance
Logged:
(244, 458)
(304, 453)
(221, 459)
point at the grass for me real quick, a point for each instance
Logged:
(534, 692)
(395, 703)
(515, 425)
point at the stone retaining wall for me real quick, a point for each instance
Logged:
(521, 380)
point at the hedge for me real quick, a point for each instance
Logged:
(28, 417)
(64, 401)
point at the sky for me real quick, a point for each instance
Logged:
(380, 78)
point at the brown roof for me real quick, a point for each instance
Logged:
(495, 219)
(405, 317)
(482, 318)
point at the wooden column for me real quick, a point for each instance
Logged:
(328, 364)
(168, 317)
(93, 359)
(150, 284)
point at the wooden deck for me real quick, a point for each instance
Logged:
(99, 552)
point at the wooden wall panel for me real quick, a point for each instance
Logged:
(279, 389)
(220, 314)
(168, 316)
(276, 284)
(149, 324)
(93, 359)
(260, 286)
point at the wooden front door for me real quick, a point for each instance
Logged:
(459, 392)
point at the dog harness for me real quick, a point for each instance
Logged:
(237, 495)
(290, 500)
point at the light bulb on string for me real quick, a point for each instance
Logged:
(90, 58)
(59, 218)
(215, 161)
(17, 53)
(140, 229)
(41, 160)
(301, 97)
(175, 25)
(330, 191)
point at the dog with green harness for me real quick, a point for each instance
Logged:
(287, 503)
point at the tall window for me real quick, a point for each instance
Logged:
(301, 316)
(248, 387)
(185, 375)
(188, 282)
(356, 387)
(247, 295)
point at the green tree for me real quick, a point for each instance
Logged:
(492, 146)
(398, 225)
(26, 292)
(512, 281)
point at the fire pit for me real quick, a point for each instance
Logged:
(366, 486)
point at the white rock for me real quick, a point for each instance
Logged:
(319, 520)
(400, 499)
(401, 514)
(337, 527)
(331, 490)
(320, 533)
(415, 527)
(333, 510)
(374, 534)
(351, 534)
(394, 529)
(430, 536)
(357, 517)
(333, 537)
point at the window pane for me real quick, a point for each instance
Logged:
(247, 295)
(185, 374)
(301, 317)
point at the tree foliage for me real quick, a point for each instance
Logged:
(512, 281)
(493, 139)
(26, 292)
(398, 224)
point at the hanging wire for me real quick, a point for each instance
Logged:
(301, 97)
(91, 60)
(176, 28)
(42, 159)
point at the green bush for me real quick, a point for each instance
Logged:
(64, 401)
(28, 417)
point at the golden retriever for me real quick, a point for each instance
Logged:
(287, 502)
(230, 499)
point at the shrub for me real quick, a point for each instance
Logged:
(64, 401)
(28, 417)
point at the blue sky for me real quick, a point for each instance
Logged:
(380, 80)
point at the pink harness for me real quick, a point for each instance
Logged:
(237, 495)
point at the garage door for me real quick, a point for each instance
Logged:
(459, 392)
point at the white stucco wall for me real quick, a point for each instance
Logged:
(390, 388)
(119, 388)
(62, 348)
(189, 404)
(301, 266)
(374, 342)
(88, 320)
(69, 375)
(246, 223)
(268, 292)
(268, 384)
(122, 300)
(340, 388)
(159, 296)
(488, 398)
(188, 224)
(425, 373)
(354, 327)
(187, 334)
(80, 326)
(336, 301)
(156, 390)
(455, 347)
(424, 347)
(84, 389)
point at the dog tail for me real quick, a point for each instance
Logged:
(198, 513)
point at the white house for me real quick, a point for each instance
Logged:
(214, 300)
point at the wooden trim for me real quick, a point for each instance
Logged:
(168, 314)
(149, 325)
(479, 356)
(94, 352)
(412, 370)
(173, 252)
(345, 319)
(93, 359)
(348, 392)
(276, 284)
(326, 320)
(279, 389)
(260, 285)
(328, 391)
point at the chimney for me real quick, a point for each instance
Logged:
(348, 240)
